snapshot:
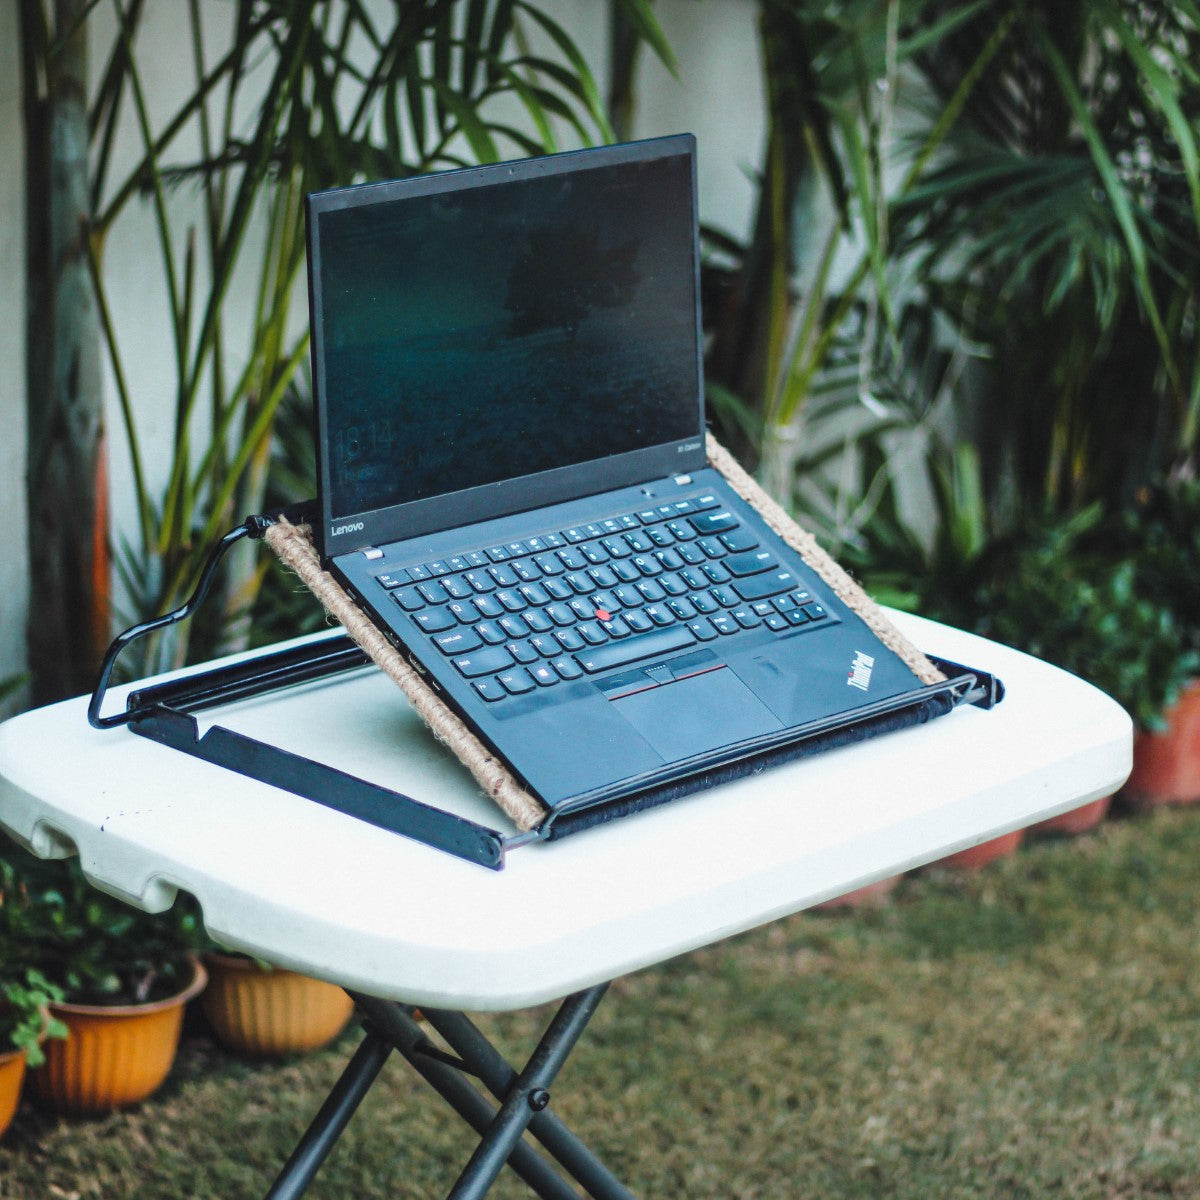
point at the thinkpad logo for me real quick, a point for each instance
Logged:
(860, 671)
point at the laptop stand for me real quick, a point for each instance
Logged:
(165, 713)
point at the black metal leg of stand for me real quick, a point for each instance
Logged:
(528, 1095)
(394, 1021)
(482, 1058)
(329, 1123)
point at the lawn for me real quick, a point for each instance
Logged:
(1031, 1031)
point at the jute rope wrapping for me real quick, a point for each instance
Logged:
(294, 546)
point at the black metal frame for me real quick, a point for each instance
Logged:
(523, 1100)
(164, 713)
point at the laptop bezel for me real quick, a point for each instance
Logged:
(340, 533)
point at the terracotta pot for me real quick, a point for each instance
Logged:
(271, 1013)
(1078, 820)
(1166, 766)
(975, 857)
(112, 1056)
(12, 1073)
(864, 897)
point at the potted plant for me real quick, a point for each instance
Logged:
(1081, 591)
(25, 995)
(124, 976)
(25, 1023)
(1163, 532)
(264, 1011)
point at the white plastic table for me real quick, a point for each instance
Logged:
(388, 918)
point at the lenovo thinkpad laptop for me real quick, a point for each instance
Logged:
(514, 485)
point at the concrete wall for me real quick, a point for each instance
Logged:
(717, 96)
(13, 558)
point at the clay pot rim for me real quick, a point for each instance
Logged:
(6, 1056)
(199, 979)
(235, 960)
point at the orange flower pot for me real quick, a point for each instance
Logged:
(1079, 820)
(12, 1073)
(975, 857)
(112, 1056)
(273, 1012)
(1166, 765)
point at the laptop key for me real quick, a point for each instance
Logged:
(490, 690)
(409, 599)
(566, 667)
(434, 593)
(457, 641)
(537, 620)
(517, 682)
(704, 630)
(513, 626)
(737, 540)
(523, 652)
(479, 581)
(544, 674)
(646, 645)
(512, 600)
(456, 587)
(485, 662)
(490, 632)
(769, 583)
(750, 563)
(546, 645)
(713, 522)
(560, 614)
(434, 620)
(638, 621)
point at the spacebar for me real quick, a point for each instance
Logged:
(661, 641)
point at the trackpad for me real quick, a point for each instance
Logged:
(697, 714)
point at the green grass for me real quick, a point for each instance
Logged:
(1031, 1031)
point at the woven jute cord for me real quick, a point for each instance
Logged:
(293, 544)
(840, 582)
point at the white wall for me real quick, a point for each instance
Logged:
(718, 96)
(13, 559)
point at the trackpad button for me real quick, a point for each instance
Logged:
(697, 714)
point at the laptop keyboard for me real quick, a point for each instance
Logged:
(577, 602)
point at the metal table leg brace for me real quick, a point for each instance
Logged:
(523, 1096)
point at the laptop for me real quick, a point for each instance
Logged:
(514, 484)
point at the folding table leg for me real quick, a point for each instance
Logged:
(327, 1126)
(394, 1021)
(528, 1095)
(484, 1060)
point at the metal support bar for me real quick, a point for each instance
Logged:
(396, 1023)
(528, 1095)
(330, 1122)
(484, 1060)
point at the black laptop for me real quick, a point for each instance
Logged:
(514, 485)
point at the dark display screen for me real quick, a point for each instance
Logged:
(527, 322)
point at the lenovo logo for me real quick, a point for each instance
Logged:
(352, 527)
(860, 671)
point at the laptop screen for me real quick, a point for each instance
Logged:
(502, 322)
